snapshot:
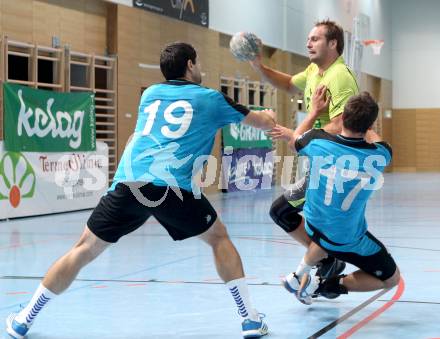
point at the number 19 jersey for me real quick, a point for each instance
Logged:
(343, 174)
(174, 135)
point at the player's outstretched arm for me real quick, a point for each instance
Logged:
(276, 78)
(320, 103)
(283, 133)
(246, 46)
(264, 119)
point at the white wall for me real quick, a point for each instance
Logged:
(285, 24)
(263, 17)
(416, 53)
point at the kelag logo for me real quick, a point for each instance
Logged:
(17, 178)
(47, 121)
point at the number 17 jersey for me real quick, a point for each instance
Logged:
(343, 174)
(175, 131)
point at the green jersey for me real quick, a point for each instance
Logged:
(340, 82)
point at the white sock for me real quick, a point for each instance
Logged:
(41, 297)
(300, 271)
(240, 293)
(314, 284)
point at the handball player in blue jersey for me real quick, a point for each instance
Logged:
(345, 170)
(174, 135)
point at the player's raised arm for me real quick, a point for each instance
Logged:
(320, 102)
(247, 46)
(276, 78)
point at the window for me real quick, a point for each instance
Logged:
(18, 67)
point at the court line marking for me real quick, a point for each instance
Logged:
(378, 312)
(133, 283)
(281, 239)
(413, 302)
(355, 310)
(118, 277)
(136, 282)
(269, 240)
(414, 248)
(347, 315)
(297, 244)
(20, 245)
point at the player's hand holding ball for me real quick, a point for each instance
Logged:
(246, 46)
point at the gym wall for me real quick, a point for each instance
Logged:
(416, 144)
(416, 99)
(80, 23)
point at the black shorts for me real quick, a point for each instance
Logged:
(380, 264)
(120, 212)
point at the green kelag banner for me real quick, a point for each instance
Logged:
(44, 121)
(244, 136)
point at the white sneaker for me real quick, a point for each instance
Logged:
(254, 329)
(293, 286)
(14, 328)
(305, 293)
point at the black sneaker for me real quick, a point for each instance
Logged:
(330, 288)
(329, 267)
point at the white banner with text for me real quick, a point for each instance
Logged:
(44, 183)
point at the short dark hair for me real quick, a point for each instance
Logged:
(174, 59)
(334, 32)
(360, 113)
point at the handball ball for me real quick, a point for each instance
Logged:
(245, 46)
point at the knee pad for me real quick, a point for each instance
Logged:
(285, 215)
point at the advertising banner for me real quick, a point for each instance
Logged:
(45, 121)
(250, 169)
(192, 11)
(42, 183)
(245, 136)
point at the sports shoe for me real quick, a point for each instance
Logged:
(331, 288)
(254, 329)
(329, 267)
(14, 328)
(292, 287)
(305, 293)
